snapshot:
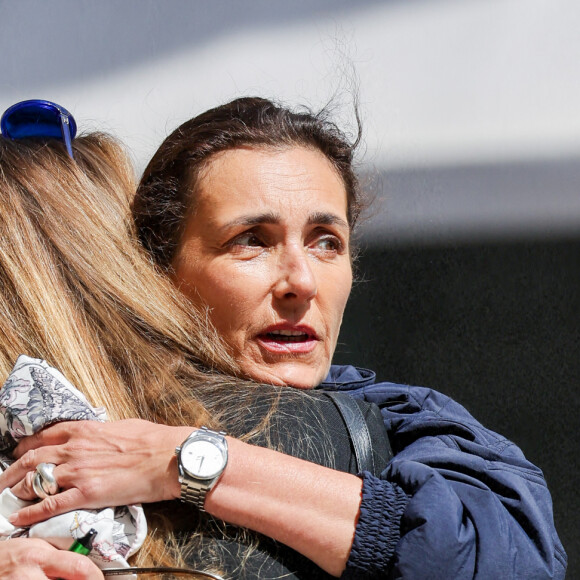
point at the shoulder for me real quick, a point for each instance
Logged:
(361, 383)
(413, 412)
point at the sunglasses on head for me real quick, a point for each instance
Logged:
(37, 119)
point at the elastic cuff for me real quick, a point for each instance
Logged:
(378, 528)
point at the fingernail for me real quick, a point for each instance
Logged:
(13, 518)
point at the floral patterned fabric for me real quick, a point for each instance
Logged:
(34, 396)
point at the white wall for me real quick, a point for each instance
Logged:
(444, 85)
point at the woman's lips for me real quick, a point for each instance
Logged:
(297, 340)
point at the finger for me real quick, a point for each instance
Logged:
(24, 489)
(71, 566)
(18, 470)
(52, 435)
(35, 559)
(28, 462)
(35, 573)
(53, 505)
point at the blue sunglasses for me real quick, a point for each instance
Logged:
(37, 119)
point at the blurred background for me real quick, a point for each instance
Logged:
(469, 271)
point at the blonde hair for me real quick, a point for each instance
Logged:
(78, 290)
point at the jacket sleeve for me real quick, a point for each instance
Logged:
(457, 501)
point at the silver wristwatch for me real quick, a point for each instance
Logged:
(201, 459)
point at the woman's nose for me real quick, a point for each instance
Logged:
(296, 279)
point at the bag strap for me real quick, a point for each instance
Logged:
(357, 429)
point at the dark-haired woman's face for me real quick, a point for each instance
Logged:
(267, 250)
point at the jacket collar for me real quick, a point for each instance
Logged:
(347, 377)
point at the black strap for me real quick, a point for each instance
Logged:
(357, 429)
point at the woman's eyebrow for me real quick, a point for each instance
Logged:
(327, 219)
(318, 218)
(254, 220)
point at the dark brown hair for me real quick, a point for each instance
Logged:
(166, 192)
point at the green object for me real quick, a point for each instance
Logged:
(84, 545)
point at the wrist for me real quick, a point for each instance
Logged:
(275, 494)
(201, 460)
(173, 487)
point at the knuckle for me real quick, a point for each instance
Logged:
(62, 502)
(27, 482)
(80, 566)
(79, 439)
(37, 551)
(74, 448)
(70, 429)
(29, 459)
(51, 504)
(91, 487)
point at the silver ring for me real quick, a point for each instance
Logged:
(37, 486)
(44, 483)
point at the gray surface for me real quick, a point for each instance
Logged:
(76, 40)
(499, 201)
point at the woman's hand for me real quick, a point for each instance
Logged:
(33, 559)
(108, 464)
(97, 465)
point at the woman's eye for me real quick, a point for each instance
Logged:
(247, 239)
(329, 244)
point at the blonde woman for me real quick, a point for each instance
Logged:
(77, 290)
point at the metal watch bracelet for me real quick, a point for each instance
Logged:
(193, 495)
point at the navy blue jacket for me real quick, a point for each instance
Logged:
(457, 501)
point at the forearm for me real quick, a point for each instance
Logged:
(309, 508)
(312, 509)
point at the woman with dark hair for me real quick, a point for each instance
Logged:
(77, 289)
(249, 209)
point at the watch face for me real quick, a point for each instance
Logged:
(202, 458)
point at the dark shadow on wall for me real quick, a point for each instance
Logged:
(48, 43)
(495, 326)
